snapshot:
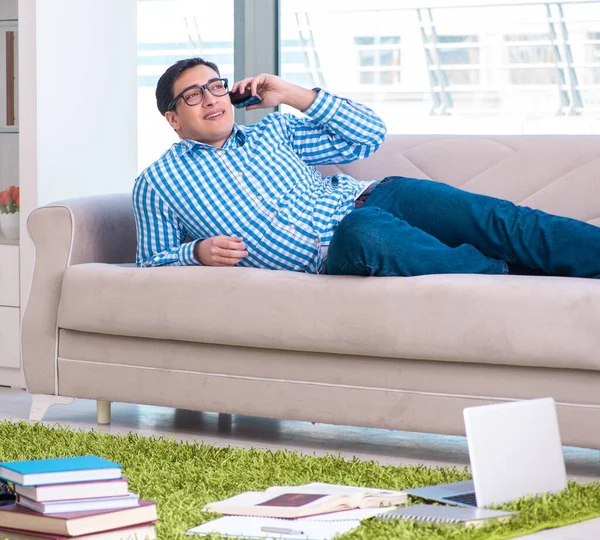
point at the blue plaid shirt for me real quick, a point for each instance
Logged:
(262, 185)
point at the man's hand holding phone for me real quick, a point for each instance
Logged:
(272, 91)
(245, 99)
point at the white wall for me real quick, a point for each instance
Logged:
(77, 105)
(86, 53)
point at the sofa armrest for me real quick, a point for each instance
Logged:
(91, 229)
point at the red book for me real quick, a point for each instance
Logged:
(16, 516)
(139, 532)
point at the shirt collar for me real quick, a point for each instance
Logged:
(235, 140)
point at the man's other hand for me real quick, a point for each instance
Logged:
(274, 91)
(220, 251)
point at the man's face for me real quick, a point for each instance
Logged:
(209, 122)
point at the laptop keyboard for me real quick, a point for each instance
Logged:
(464, 498)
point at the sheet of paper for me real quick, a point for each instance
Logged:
(250, 527)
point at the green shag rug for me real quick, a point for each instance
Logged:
(183, 476)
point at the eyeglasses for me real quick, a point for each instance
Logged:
(7, 495)
(194, 95)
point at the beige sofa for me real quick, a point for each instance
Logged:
(398, 353)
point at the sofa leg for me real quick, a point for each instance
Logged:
(40, 403)
(103, 410)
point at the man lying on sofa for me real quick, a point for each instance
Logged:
(251, 196)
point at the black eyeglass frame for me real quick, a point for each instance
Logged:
(203, 88)
(7, 494)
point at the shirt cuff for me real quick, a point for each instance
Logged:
(186, 254)
(323, 107)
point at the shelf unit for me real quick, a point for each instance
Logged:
(10, 283)
(8, 242)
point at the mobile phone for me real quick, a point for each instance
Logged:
(243, 100)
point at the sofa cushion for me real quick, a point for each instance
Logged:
(511, 320)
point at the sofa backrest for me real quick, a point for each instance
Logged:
(559, 174)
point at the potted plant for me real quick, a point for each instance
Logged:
(9, 212)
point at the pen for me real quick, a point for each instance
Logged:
(280, 530)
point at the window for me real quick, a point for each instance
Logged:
(459, 58)
(357, 52)
(300, 58)
(592, 54)
(169, 30)
(378, 59)
(300, 62)
(531, 59)
(503, 66)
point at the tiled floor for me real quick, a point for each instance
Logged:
(386, 447)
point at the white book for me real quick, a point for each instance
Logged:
(260, 527)
(81, 505)
(74, 490)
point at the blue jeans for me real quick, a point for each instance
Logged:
(410, 227)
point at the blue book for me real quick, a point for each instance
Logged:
(38, 472)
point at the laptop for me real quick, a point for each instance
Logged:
(514, 450)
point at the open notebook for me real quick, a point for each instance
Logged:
(261, 527)
(321, 527)
(303, 501)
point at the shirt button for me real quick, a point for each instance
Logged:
(291, 227)
(316, 241)
(259, 198)
(240, 174)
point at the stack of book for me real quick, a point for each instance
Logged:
(83, 497)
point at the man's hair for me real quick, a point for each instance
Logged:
(164, 88)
